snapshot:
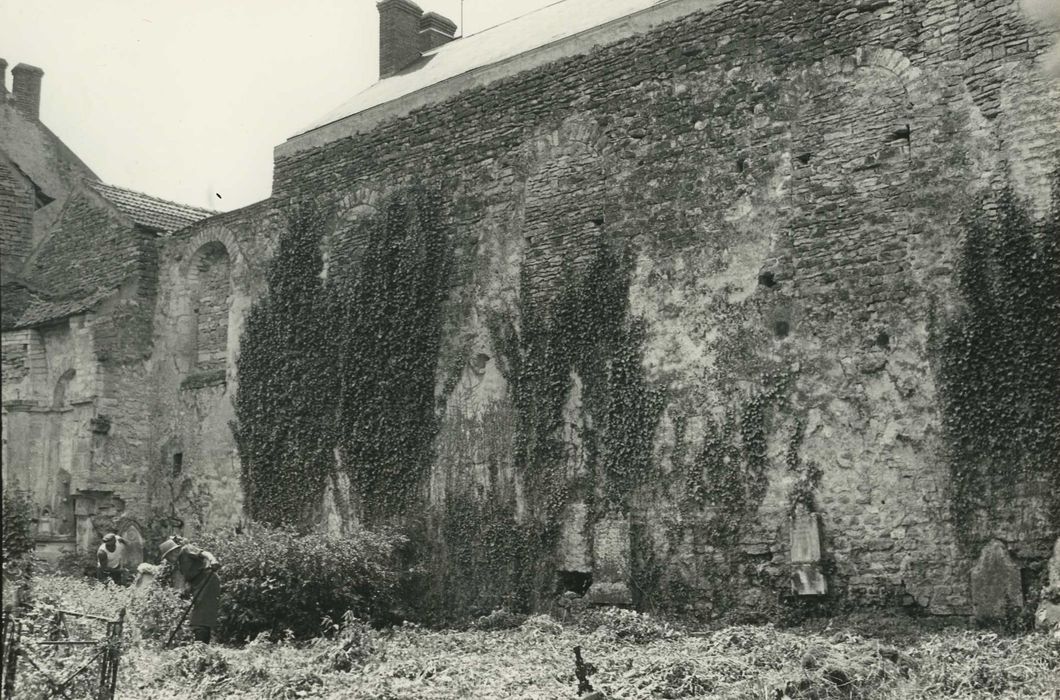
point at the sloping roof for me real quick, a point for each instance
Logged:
(539, 28)
(150, 212)
(42, 309)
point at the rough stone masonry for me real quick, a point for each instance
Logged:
(788, 179)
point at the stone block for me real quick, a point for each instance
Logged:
(611, 555)
(805, 537)
(995, 584)
(609, 593)
(573, 552)
(807, 579)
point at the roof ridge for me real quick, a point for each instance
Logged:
(96, 184)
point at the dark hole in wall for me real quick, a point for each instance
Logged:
(803, 158)
(883, 340)
(767, 279)
(900, 134)
(178, 463)
(741, 164)
(574, 581)
(781, 329)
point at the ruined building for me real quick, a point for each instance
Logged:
(731, 231)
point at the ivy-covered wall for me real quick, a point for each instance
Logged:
(614, 323)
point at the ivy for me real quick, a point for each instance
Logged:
(343, 365)
(285, 421)
(391, 328)
(999, 366)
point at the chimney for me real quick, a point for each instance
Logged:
(3, 80)
(26, 88)
(399, 41)
(435, 30)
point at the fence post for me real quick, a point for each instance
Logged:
(12, 632)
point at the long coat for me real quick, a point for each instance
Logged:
(192, 563)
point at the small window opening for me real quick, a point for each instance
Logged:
(741, 164)
(178, 463)
(883, 340)
(576, 582)
(767, 279)
(781, 329)
(803, 158)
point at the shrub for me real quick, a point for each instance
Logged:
(151, 611)
(500, 619)
(18, 534)
(276, 580)
(627, 625)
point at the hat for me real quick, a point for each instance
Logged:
(167, 547)
(109, 537)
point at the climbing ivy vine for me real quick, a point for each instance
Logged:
(344, 364)
(390, 313)
(285, 424)
(999, 365)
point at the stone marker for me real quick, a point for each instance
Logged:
(611, 559)
(806, 575)
(995, 584)
(1048, 614)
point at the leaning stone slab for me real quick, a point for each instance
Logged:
(1047, 616)
(995, 584)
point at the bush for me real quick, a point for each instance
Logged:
(18, 534)
(627, 625)
(277, 581)
(500, 619)
(151, 611)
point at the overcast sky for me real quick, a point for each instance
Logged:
(186, 99)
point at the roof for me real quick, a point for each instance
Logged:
(43, 310)
(533, 30)
(150, 212)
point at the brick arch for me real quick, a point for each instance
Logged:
(343, 244)
(215, 234)
(872, 56)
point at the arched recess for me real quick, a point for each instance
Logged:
(204, 305)
(851, 161)
(210, 292)
(61, 391)
(565, 203)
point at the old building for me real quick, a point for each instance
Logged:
(80, 280)
(779, 189)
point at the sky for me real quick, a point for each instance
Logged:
(186, 100)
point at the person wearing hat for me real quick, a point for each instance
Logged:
(110, 558)
(198, 568)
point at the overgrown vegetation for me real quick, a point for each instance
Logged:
(631, 655)
(999, 366)
(344, 367)
(277, 581)
(18, 534)
(285, 425)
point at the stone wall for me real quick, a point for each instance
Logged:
(209, 274)
(17, 202)
(789, 176)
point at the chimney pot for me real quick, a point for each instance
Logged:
(399, 42)
(435, 30)
(25, 85)
(3, 79)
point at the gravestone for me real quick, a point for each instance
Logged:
(611, 557)
(995, 584)
(1048, 613)
(573, 542)
(806, 575)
